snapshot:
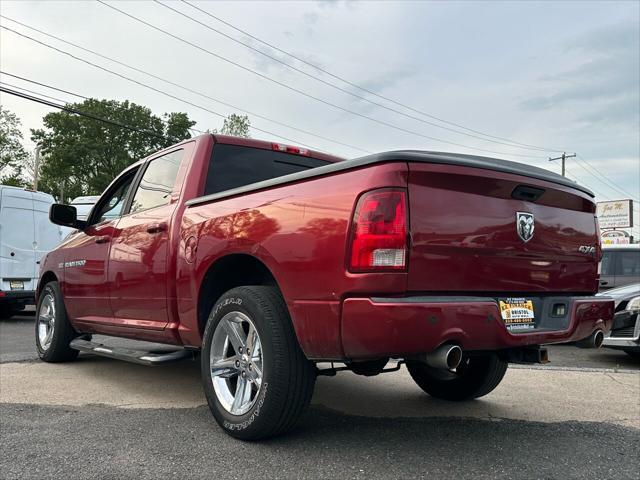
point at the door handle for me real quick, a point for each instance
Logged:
(157, 227)
(102, 239)
(604, 282)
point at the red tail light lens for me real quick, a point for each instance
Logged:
(279, 147)
(379, 231)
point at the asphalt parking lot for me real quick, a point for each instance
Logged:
(578, 418)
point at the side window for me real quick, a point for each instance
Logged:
(234, 166)
(628, 263)
(110, 207)
(157, 182)
(607, 263)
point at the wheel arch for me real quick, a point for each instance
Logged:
(225, 273)
(46, 277)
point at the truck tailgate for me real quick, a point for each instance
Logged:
(464, 233)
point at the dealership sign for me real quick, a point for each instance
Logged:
(616, 237)
(615, 214)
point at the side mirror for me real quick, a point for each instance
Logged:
(66, 216)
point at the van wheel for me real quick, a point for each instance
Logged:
(475, 377)
(256, 379)
(53, 330)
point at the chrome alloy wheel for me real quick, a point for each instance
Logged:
(235, 362)
(46, 321)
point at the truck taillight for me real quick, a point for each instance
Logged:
(379, 231)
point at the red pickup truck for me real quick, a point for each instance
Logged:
(268, 259)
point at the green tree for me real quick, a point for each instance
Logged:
(83, 155)
(236, 125)
(12, 153)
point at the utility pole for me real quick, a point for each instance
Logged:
(36, 168)
(563, 157)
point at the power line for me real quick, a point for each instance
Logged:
(42, 84)
(32, 91)
(57, 89)
(604, 179)
(361, 88)
(601, 178)
(576, 179)
(289, 87)
(333, 85)
(75, 111)
(137, 82)
(169, 82)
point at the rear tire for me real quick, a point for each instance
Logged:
(53, 330)
(475, 377)
(257, 384)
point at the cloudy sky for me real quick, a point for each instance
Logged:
(562, 75)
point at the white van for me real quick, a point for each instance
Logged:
(26, 235)
(84, 205)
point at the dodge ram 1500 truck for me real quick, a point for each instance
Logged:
(268, 259)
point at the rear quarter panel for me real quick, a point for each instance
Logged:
(299, 231)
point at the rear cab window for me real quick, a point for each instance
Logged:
(233, 166)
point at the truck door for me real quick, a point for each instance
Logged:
(138, 268)
(85, 268)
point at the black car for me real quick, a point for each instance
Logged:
(625, 333)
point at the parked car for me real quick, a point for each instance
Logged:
(268, 259)
(84, 205)
(26, 234)
(620, 265)
(625, 332)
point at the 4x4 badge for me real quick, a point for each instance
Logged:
(525, 225)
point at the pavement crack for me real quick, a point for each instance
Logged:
(618, 381)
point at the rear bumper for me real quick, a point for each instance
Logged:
(12, 295)
(374, 327)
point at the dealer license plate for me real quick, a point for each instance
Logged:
(517, 313)
(16, 285)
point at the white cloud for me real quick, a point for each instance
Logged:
(474, 64)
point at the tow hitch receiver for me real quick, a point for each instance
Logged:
(527, 355)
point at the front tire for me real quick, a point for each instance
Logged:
(256, 379)
(53, 330)
(475, 377)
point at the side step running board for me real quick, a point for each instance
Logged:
(129, 355)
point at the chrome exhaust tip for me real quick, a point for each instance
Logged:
(592, 341)
(446, 357)
(598, 338)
